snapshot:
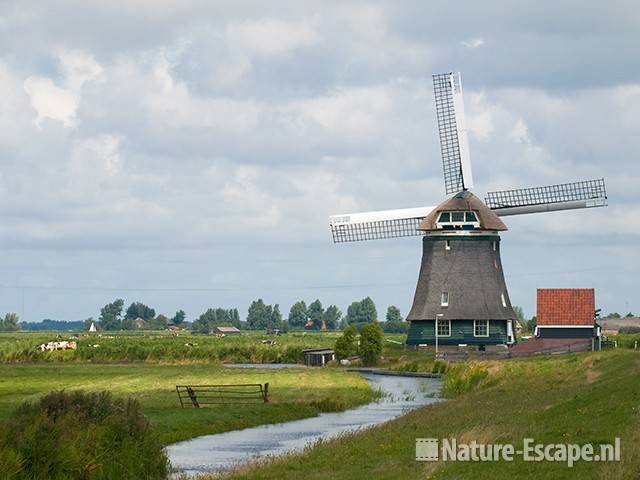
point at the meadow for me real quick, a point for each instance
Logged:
(579, 398)
(293, 393)
(163, 346)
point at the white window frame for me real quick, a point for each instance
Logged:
(447, 244)
(504, 300)
(444, 299)
(475, 323)
(448, 325)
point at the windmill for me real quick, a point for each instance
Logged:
(461, 297)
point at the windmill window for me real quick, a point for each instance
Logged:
(470, 217)
(444, 328)
(447, 245)
(495, 245)
(445, 217)
(504, 300)
(444, 299)
(481, 328)
(458, 220)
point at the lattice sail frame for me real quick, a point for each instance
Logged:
(584, 194)
(452, 129)
(356, 227)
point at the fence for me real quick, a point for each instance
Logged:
(223, 394)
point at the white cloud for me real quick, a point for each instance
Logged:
(51, 101)
(78, 67)
(358, 111)
(271, 36)
(474, 42)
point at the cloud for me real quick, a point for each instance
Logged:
(61, 103)
(271, 36)
(51, 101)
(205, 139)
(474, 42)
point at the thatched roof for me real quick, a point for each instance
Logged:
(464, 201)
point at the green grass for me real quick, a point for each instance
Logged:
(294, 393)
(583, 398)
(162, 346)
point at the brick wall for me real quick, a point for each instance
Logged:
(566, 306)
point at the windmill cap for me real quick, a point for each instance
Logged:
(464, 201)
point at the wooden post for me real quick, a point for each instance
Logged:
(192, 396)
(265, 393)
(179, 396)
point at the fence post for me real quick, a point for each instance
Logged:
(193, 398)
(179, 396)
(265, 393)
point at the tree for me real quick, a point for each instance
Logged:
(345, 346)
(298, 314)
(110, 315)
(332, 317)
(613, 315)
(263, 317)
(179, 317)
(393, 314)
(316, 315)
(519, 313)
(10, 323)
(363, 311)
(629, 315)
(368, 311)
(371, 344)
(158, 323)
(140, 310)
(530, 325)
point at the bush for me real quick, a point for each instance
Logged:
(80, 435)
(371, 344)
(345, 346)
(624, 330)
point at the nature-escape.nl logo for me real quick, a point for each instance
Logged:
(450, 450)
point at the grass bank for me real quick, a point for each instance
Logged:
(584, 398)
(294, 393)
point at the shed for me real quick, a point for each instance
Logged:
(567, 313)
(227, 330)
(318, 357)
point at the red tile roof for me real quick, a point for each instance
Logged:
(566, 306)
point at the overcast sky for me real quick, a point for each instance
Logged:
(188, 153)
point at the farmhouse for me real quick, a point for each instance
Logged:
(226, 331)
(567, 314)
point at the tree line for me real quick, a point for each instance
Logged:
(260, 316)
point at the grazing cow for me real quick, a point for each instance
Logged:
(49, 347)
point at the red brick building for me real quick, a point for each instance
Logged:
(567, 313)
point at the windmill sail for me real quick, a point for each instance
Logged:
(355, 227)
(452, 128)
(565, 196)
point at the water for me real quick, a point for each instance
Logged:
(211, 453)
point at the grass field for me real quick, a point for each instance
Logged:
(163, 346)
(294, 393)
(583, 398)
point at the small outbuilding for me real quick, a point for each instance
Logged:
(226, 331)
(318, 357)
(567, 313)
